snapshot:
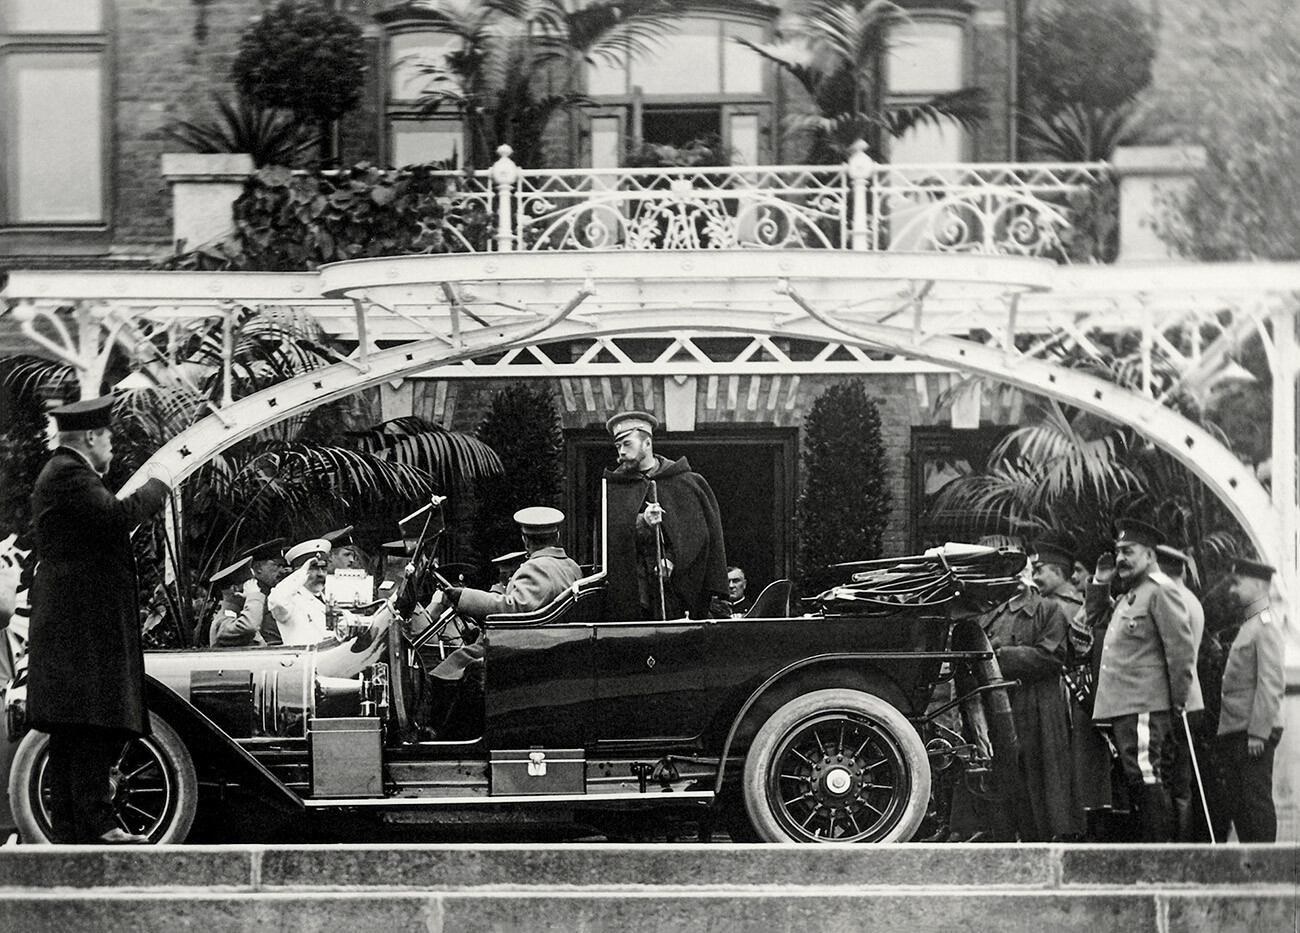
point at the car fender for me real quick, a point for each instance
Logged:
(210, 746)
(848, 669)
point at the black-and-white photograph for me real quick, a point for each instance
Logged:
(639, 465)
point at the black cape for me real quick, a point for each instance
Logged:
(692, 527)
(86, 665)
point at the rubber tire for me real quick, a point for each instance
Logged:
(32, 752)
(809, 705)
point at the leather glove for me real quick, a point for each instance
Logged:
(719, 608)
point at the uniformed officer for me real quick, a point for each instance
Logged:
(1053, 562)
(237, 621)
(506, 565)
(298, 601)
(546, 573)
(1250, 719)
(1148, 665)
(86, 665)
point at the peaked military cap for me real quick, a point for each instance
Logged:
(1172, 553)
(267, 550)
(626, 421)
(231, 573)
(539, 519)
(1051, 550)
(1133, 531)
(339, 536)
(308, 548)
(512, 557)
(86, 415)
(1252, 568)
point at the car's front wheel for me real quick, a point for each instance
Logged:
(155, 789)
(836, 766)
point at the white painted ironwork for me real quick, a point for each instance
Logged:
(1022, 321)
(991, 209)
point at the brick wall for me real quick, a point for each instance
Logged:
(905, 401)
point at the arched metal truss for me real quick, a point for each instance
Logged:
(1017, 320)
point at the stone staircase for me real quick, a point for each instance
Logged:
(630, 889)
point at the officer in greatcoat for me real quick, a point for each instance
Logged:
(86, 665)
(683, 524)
(1148, 665)
(1028, 634)
(1250, 715)
(1054, 562)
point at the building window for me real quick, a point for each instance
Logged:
(416, 138)
(698, 84)
(53, 135)
(927, 57)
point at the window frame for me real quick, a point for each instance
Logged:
(630, 104)
(397, 109)
(948, 17)
(24, 236)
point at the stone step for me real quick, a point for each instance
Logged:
(654, 887)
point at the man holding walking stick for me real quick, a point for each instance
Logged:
(666, 552)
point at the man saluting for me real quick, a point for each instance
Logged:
(86, 666)
(686, 519)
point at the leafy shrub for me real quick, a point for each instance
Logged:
(1096, 54)
(522, 426)
(294, 221)
(844, 507)
(302, 56)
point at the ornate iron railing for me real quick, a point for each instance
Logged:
(1028, 209)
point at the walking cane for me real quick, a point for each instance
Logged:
(659, 554)
(1196, 769)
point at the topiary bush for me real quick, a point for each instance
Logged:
(1096, 54)
(523, 427)
(844, 507)
(289, 221)
(302, 56)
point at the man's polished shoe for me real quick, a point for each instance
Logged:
(120, 837)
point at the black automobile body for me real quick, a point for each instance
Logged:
(816, 726)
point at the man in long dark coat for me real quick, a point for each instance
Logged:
(86, 667)
(1028, 634)
(693, 557)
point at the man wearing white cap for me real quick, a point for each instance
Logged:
(546, 573)
(297, 602)
(682, 514)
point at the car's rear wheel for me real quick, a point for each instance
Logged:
(836, 766)
(155, 788)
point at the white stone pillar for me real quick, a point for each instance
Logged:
(204, 186)
(1147, 175)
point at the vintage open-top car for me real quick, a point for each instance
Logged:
(814, 727)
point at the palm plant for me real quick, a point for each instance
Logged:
(1066, 470)
(500, 77)
(1078, 133)
(270, 136)
(836, 49)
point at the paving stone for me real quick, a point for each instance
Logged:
(1234, 913)
(1181, 864)
(609, 865)
(79, 867)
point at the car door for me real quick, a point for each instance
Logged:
(653, 681)
(539, 685)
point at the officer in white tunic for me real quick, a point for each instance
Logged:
(1250, 716)
(298, 601)
(1148, 666)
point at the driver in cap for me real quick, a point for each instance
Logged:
(545, 574)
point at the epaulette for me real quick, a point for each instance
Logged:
(1266, 617)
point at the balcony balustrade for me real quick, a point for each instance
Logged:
(1027, 209)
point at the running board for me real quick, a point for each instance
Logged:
(401, 802)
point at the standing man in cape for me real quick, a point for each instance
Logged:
(86, 668)
(694, 561)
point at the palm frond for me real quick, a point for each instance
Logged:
(1082, 134)
(967, 108)
(36, 375)
(616, 32)
(449, 456)
(271, 137)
